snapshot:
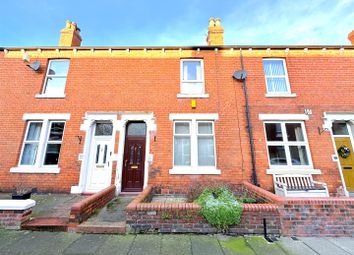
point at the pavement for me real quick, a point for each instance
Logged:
(27, 242)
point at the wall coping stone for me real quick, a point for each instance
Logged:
(17, 204)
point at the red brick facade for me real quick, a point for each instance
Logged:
(139, 80)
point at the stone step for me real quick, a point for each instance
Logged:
(54, 224)
(102, 228)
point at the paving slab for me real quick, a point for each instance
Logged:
(205, 245)
(261, 246)
(235, 246)
(86, 244)
(11, 237)
(41, 243)
(146, 245)
(117, 245)
(345, 243)
(114, 211)
(294, 247)
(176, 244)
(323, 246)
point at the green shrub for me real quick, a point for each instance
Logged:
(220, 208)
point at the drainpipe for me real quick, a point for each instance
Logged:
(243, 77)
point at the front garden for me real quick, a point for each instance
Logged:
(211, 209)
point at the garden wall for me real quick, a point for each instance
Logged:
(82, 210)
(185, 218)
(330, 216)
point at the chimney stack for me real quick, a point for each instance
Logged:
(70, 35)
(215, 32)
(351, 37)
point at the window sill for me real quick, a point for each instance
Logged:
(35, 170)
(280, 95)
(294, 171)
(192, 96)
(194, 171)
(49, 96)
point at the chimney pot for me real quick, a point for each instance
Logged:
(70, 35)
(351, 37)
(215, 32)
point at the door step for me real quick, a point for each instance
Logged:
(102, 228)
(47, 224)
(129, 194)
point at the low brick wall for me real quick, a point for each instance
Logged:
(13, 219)
(186, 218)
(82, 210)
(330, 216)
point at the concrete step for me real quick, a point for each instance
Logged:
(47, 224)
(102, 228)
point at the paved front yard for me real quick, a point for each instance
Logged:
(26, 242)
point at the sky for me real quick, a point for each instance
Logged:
(177, 23)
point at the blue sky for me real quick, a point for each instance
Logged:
(121, 23)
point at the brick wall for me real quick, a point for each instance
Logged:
(149, 81)
(186, 218)
(311, 216)
(13, 219)
(83, 209)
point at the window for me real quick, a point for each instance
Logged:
(276, 77)
(192, 77)
(41, 144)
(54, 84)
(287, 145)
(194, 147)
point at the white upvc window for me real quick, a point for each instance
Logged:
(55, 79)
(192, 78)
(194, 147)
(42, 143)
(287, 145)
(276, 77)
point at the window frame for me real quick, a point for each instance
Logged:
(47, 75)
(46, 120)
(24, 142)
(202, 80)
(50, 122)
(194, 168)
(182, 135)
(287, 145)
(286, 76)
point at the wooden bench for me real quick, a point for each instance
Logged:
(299, 185)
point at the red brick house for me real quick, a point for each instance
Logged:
(76, 119)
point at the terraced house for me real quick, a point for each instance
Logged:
(80, 118)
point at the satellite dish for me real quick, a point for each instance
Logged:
(35, 66)
(240, 75)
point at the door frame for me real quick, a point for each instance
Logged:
(88, 127)
(149, 120)
(348, 118)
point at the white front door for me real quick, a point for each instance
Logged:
(100, 163)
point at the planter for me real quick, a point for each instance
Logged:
(26, 195)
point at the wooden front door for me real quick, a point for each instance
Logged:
(342, 138)
(134, 157)
(346, 163)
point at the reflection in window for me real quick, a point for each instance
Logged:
(136, 129)
(104, 129)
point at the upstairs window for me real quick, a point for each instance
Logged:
(55, 80)
(192, 77)
(276, 76)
